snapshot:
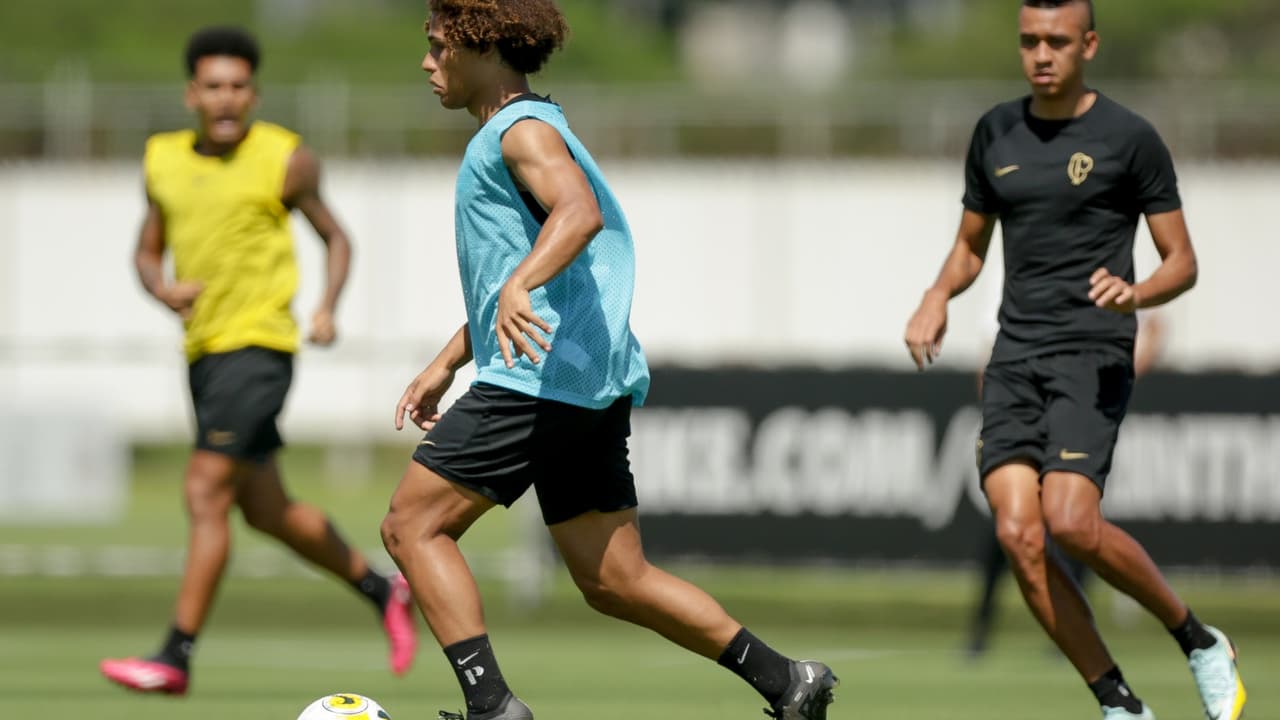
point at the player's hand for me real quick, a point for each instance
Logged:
(926, 329)
(181, 297)
(1111, 292)
(517, 324)
(323, 329)
(421, 400)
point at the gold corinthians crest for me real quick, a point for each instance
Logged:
(1079, 167)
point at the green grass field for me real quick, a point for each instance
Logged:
(276, 643)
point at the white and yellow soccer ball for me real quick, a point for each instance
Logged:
(344, 706)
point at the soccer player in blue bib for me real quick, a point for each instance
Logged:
(548, 269)
(1067, 172)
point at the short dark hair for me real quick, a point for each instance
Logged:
(524, 32)
(1093, 24)
(230, 41)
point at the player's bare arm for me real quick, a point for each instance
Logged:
(929, 323)
(421, 400)
(302, 191)
(149, 260)
(540, 162)
(1175, 275)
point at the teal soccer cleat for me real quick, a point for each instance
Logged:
(1218, 679)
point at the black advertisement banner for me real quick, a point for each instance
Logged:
(812, 465)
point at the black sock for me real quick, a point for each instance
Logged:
(176, 650)
(760, 665)
(375, 587)
(478, 674)
(1112, 691)
(1191, 635)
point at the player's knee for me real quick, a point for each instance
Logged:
(403, 527)
(609, 593)
(605, 598)
(208, 500)
(1080, 535)
(392, 531)
(1022, 540)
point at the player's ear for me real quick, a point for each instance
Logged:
(189, 97)
(1090, 44)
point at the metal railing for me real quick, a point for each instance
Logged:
(71, 117)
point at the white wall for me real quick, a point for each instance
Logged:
(738, 263)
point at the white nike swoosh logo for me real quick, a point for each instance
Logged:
(744, 654)
(809, 671)
(467, 659)
(428, 442)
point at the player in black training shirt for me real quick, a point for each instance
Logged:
(1067, 172)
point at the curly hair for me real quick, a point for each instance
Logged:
(232, 41)
(524, 32)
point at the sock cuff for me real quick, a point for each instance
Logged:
(735, 646)
(467, 644)
(1107, 680)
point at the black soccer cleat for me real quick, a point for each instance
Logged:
(809, 693)
(512, 708)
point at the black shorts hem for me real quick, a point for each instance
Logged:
(1042, 468)
(1051, 467)
(1015, 458)
(256, 456)
(564, 517)
(485, 492)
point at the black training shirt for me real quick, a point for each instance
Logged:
(1068, 194)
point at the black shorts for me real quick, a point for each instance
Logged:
(237, 397)
(1057, 412)
(497, 443)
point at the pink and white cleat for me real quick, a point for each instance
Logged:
(397, 621)
(146, 676)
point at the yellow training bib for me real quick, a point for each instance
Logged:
(228, 228)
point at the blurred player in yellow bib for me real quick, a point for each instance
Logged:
(219, 201)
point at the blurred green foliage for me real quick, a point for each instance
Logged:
(376, 41)
(380, 41)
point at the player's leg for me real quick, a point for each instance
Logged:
(1073, 512)
(1013, 490)
(604, 555)
(472, 460)
(588, 499)
(209, 493)
(1053, 597)
(428, 515)
(1091, 393)
(209, 488)
(1078, 571)
(1010, 450)
(306, 530)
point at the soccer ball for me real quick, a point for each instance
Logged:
(344, 706)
